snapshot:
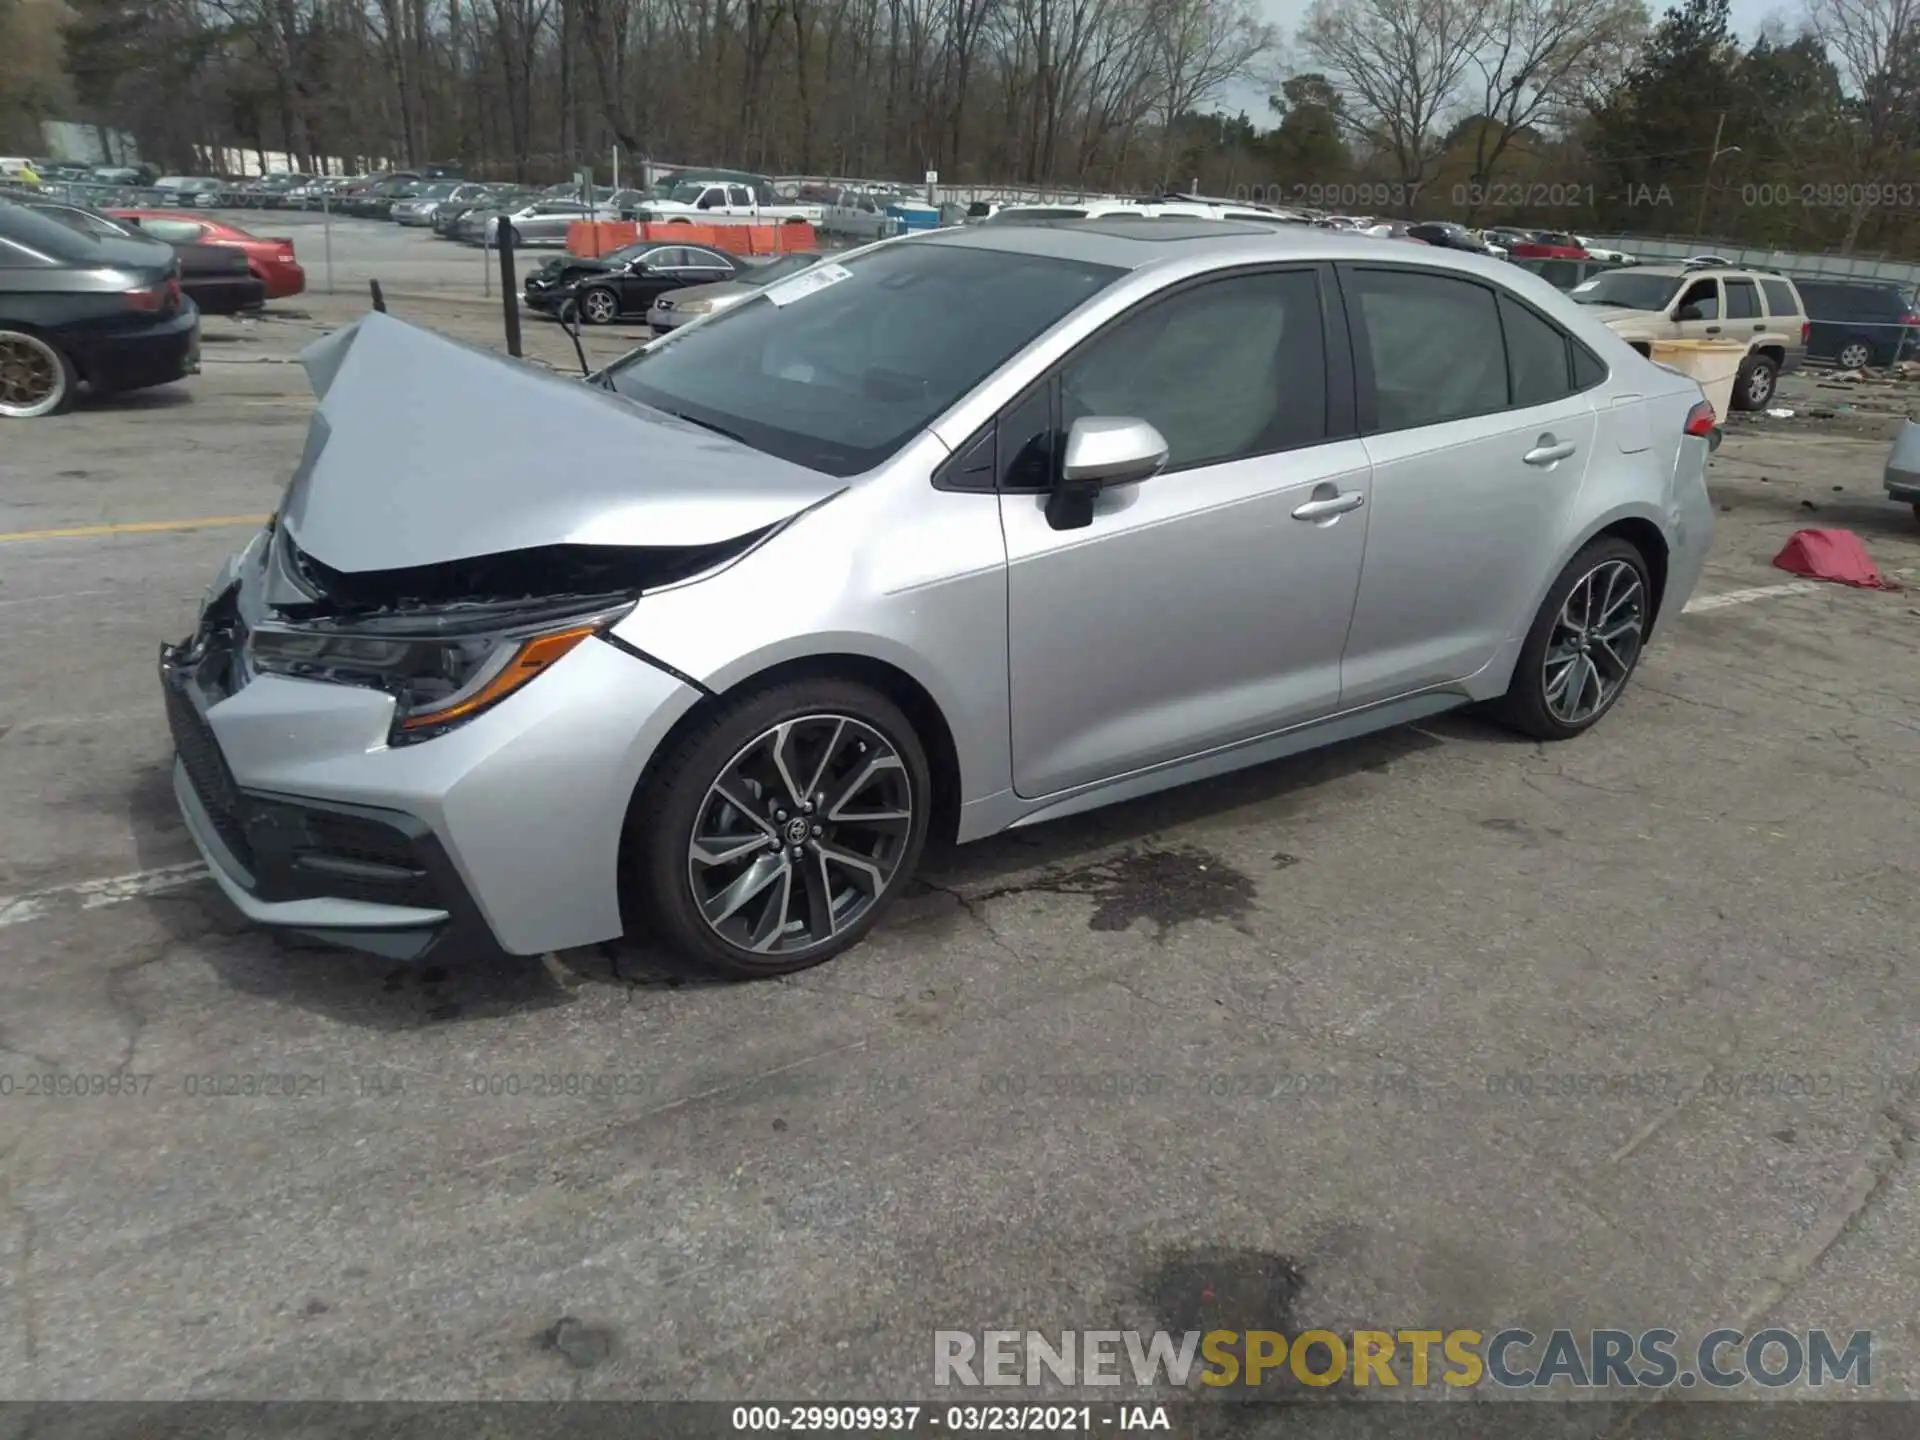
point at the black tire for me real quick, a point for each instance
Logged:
(36, 376)
(1527, 706)
(659, 886)
(599, 297)
(1753, 386)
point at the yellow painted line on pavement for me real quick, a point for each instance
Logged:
(133, 527)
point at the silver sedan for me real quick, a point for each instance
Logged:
(952, 534)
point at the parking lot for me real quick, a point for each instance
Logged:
(1436, 1029)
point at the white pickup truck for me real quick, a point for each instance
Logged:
(715, 202)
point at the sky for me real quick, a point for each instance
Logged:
(1285, 16)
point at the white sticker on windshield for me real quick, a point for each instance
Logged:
(798, 287)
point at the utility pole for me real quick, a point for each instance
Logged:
(1706, 185)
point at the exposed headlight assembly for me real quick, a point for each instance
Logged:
(441, 669)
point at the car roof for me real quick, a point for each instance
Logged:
(1132, 242)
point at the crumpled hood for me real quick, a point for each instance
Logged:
(426, 450)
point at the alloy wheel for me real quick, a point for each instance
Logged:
(33, 379)
(599, 306)
(1759, 386)
(1595, 641)
(801, 834)
(1852, 357)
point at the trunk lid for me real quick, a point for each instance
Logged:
(425, 450)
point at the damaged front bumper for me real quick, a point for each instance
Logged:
(502, 836)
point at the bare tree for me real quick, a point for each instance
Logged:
(1875, 45)
(1536, 61)
(1196, 47)
(1399, 64)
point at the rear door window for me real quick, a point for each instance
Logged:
(1743, 300)
(1434, 345)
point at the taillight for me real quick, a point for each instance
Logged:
(1910, 319)
(1806, 329)
(1700, 420)
(157, 298)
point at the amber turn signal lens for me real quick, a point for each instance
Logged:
(533, 656)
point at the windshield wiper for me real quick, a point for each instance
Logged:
(703, 424)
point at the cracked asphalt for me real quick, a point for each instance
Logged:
(1438, 1029)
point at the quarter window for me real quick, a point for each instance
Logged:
(1435, 347)
(1780, 299)
(1537, 368)
(1227, 369)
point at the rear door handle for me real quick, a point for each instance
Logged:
(1549, 453)
(1332, 506)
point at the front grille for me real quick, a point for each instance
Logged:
(207, 770)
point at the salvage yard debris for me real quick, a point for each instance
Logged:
(1836, 555)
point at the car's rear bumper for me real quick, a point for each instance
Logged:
(138, 359)
(226, 295)
(284, 280)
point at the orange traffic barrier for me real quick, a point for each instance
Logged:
(679, 232)
(792, 236)
(592, 239)
(734, 239)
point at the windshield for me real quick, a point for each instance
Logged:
(1626, 289)
(438, 192)
(838, 374)
(777, 269)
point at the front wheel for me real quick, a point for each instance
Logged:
(1854, 355)
(1583, 645)
(599, 306)
(36, 378)
(1753, 386)
(774, 834)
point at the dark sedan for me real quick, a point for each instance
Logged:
(215, 277)
(78, 308)
(626, 281)
(1447, 236)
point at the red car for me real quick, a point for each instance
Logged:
(1548, 245)
(269, 258)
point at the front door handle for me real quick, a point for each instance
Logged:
(1547, 452)
(1713, 329)
(1330, 506)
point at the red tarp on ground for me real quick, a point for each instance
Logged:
(1835, 555)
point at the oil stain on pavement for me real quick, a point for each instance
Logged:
(1167, 887)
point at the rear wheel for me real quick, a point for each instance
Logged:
(774, 834)
(1753, 386)
(599, 306)
(1853, 355)
(1583, 645)
(36, 378)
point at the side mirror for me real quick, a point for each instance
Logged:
(1102, 451)
(1109, 450)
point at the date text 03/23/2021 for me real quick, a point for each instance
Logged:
(949, 1419)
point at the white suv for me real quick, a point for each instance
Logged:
(1760, 308)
